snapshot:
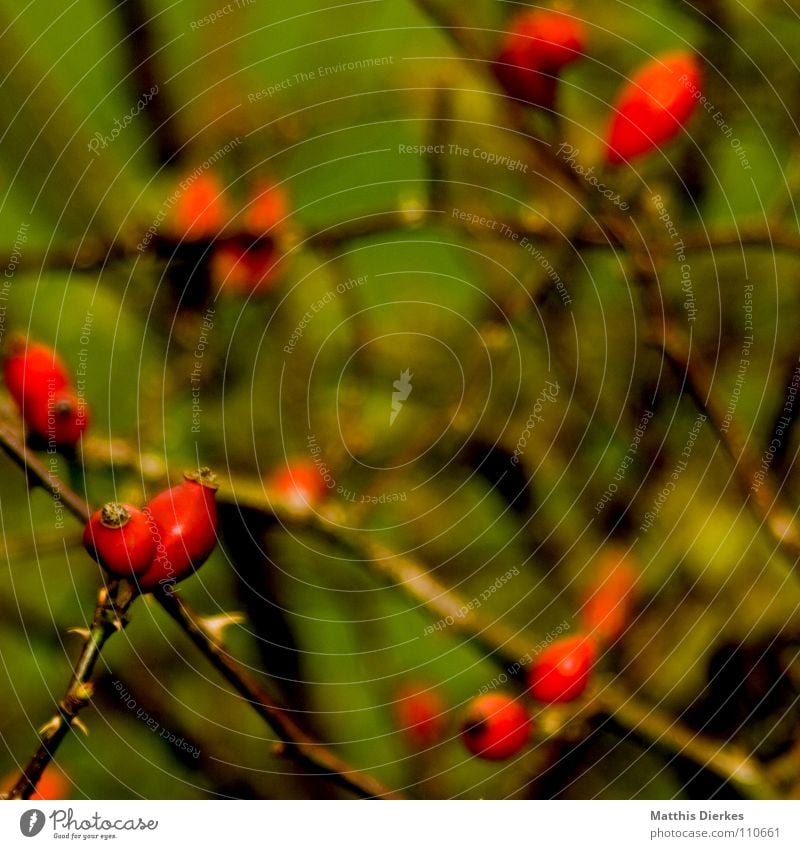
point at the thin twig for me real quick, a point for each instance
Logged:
(36, 471)
(726, 760)
(299, 745)
(758, 487)
(110, 616)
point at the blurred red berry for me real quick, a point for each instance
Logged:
(51, 787)
(420, 713)
(241, 267)
(496, 726)
(247, 265)
(301, 484)
(607, 610)
(120, 538)
(653, 106)
(268, 206)
(59, 416)
(538, 45)
(184, 527)
(201, 209)
(32, 368)
(561, 672)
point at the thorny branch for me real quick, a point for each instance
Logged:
(110, 616)
(296, 743)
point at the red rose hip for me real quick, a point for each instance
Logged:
(607, 610)
(539, 44)
(120, 538)
(495, 727)
(269, 205)
(201, 209)
(31, 368)
(243, 267)
(419, 712)
(561, 672)
(301, 484)
(185, 520)
(52, 786)
(59, 416)
(653, 106)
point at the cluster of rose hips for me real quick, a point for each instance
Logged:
(155, 547)
(38, 381)
(498, 725)
(243, 260)
(161, 544)
(651, 107)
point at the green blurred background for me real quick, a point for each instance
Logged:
(337, 641)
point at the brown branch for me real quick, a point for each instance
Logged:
(726, 760)
(759, 489)
(110, 616)
(36, 472)
(773, 238)
(511, 649)
(299, 745)
(97, 254)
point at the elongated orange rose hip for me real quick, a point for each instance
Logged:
(539, 44)
(653, 106)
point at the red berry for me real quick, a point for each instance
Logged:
(653, 106)
(300, 485)
(561, 672)
(241, 267)
(58, 416)
(120, 538)
(268, 207)
(419, 712)
(201, 209)
(607, 609)
(185, 519)
(539, 44)
(31, 368)
(52, 786)
(496, 726)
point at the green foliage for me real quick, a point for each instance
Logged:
(433, 302)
